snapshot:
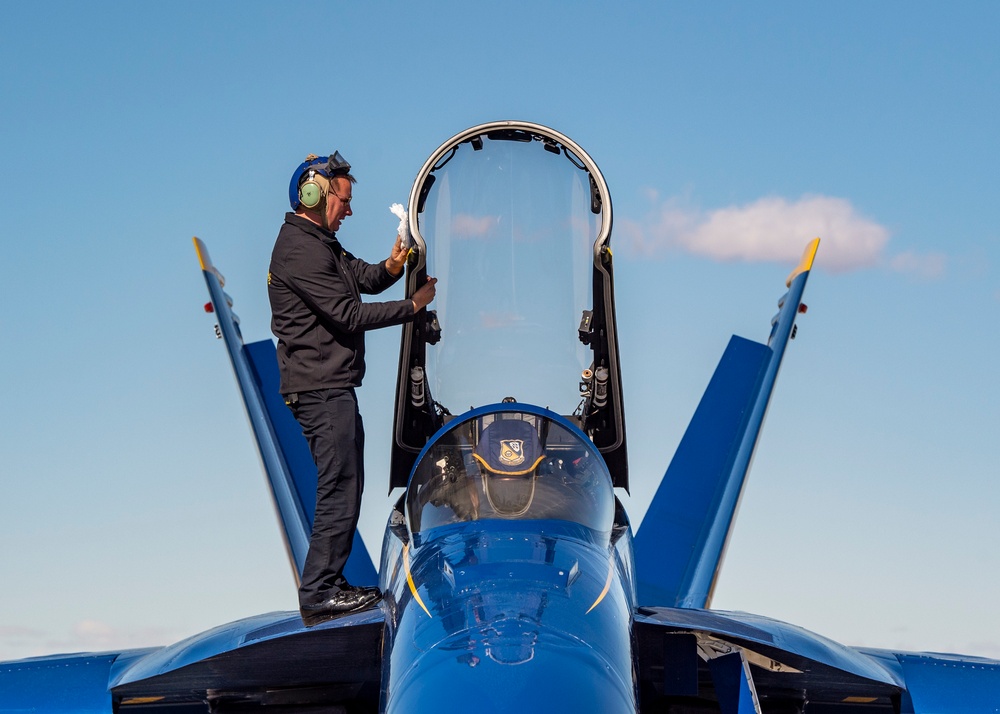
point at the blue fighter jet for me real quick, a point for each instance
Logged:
(512, 578)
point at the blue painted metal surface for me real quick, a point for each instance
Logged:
(204, 645)
(77, 683)
(513, 631)
(682, 541)
(733, 684)
(796, 645)
(949, 683)
(231, 637)
(684, 529)
(501, 613)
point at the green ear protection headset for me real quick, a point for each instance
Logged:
(313, 190)
(311, 180)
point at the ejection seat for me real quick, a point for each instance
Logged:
(509, 452)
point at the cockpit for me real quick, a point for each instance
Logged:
(516, 463)
(514, 219)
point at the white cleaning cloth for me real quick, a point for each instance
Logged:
(400, 213)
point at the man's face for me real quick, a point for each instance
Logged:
(338, 202)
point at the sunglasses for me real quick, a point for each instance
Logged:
(345, 201)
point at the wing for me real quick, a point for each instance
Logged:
(710, 661)
(62, 683)
(708, 655)
(264, 660)
(680, 545)
(284, 453)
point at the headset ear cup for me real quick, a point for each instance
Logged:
(310, 194)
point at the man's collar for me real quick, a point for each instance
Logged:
(310, 227)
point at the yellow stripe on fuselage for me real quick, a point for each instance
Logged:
(409, 579)
(607, 586)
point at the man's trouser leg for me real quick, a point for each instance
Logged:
(332, 425)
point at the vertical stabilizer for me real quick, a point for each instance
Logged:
(284, 453)
(682, 539)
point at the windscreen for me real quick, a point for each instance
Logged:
(510, 466)
(510, 224)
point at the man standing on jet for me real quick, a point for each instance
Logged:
(315, 289)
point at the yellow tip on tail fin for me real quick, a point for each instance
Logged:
(202, 251)
(205, 261)
(808, 256)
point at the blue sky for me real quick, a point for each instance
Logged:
(132, 507)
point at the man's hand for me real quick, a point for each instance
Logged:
(397, 258)
(424, 295)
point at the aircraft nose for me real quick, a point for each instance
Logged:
(509, 666)
(509, 619)
(510, 641)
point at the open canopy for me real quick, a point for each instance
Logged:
(510, 234)
(514, 220)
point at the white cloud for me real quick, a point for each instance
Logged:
(772, 229)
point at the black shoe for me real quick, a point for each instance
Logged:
(367, 589)
(341, 603)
